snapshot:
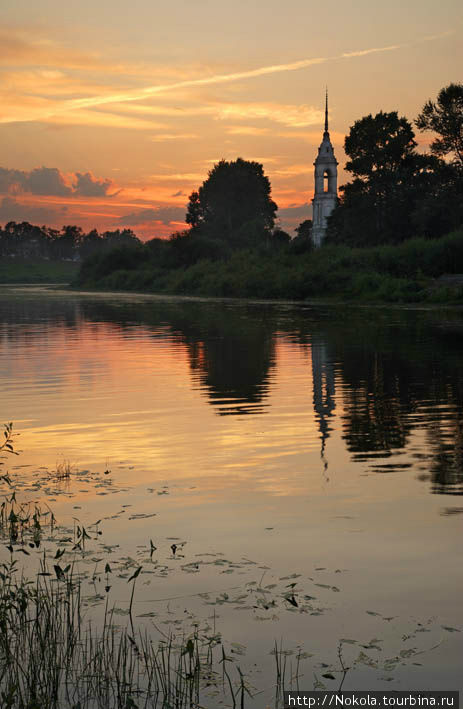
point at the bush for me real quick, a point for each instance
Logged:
(198, 265)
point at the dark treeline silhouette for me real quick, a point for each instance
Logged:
(21, 240)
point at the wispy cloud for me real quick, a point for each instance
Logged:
(140, 94)
(296, 211)
(13, 210)
(312, 137)
(246, 130)
(290, 115)
(178, 177)
(161, 137)
(293, 170)
(84, 109)
(26, 48)
(19, 49)
(149, 91)
(286, 114)
(165, 214)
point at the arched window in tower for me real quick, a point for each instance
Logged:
(326, 180)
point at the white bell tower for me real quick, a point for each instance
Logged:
(326, 184)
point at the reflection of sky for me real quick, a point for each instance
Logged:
(102, 396)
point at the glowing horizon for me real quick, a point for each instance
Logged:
(90, 139)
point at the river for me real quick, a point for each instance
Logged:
(306, 463)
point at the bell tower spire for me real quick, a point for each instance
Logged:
(326, 111)
(326, 189)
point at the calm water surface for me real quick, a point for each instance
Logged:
(275, 445)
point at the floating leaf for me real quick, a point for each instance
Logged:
(317, 684)
(135, 574)
(407, 653)
(60, 575)
(365, 660)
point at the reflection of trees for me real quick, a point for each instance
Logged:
(231, 348)
(446, 469)
(377, 403)
(18, 310)
(394, 373)
(231, 352)
(401, 376)
(234, 371)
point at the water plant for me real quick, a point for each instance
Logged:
(6, 447)
(63, 470)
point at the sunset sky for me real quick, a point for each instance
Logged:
(111, 113)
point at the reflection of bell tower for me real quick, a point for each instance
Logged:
(326, 184)
(323, 390)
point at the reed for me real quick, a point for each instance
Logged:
(50, 658)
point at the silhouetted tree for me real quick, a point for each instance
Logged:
(302, 242)
(119, 238)
(28, 241)
(304, 230)
(24, 240)
(381, 151)
(195, 212)
(439, 208)
(377, 146)
(445, 117)
(234, 199)
(279, 236)
(65, 245)
(391, 180)
(90, 244)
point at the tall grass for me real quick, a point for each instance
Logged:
(50, 658)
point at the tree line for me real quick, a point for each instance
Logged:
(21, 240)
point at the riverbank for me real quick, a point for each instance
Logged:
(410, 272)
(28, 271)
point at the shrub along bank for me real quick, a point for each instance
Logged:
(406, 272)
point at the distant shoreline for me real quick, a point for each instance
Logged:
(418, 272)
(335, 302)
